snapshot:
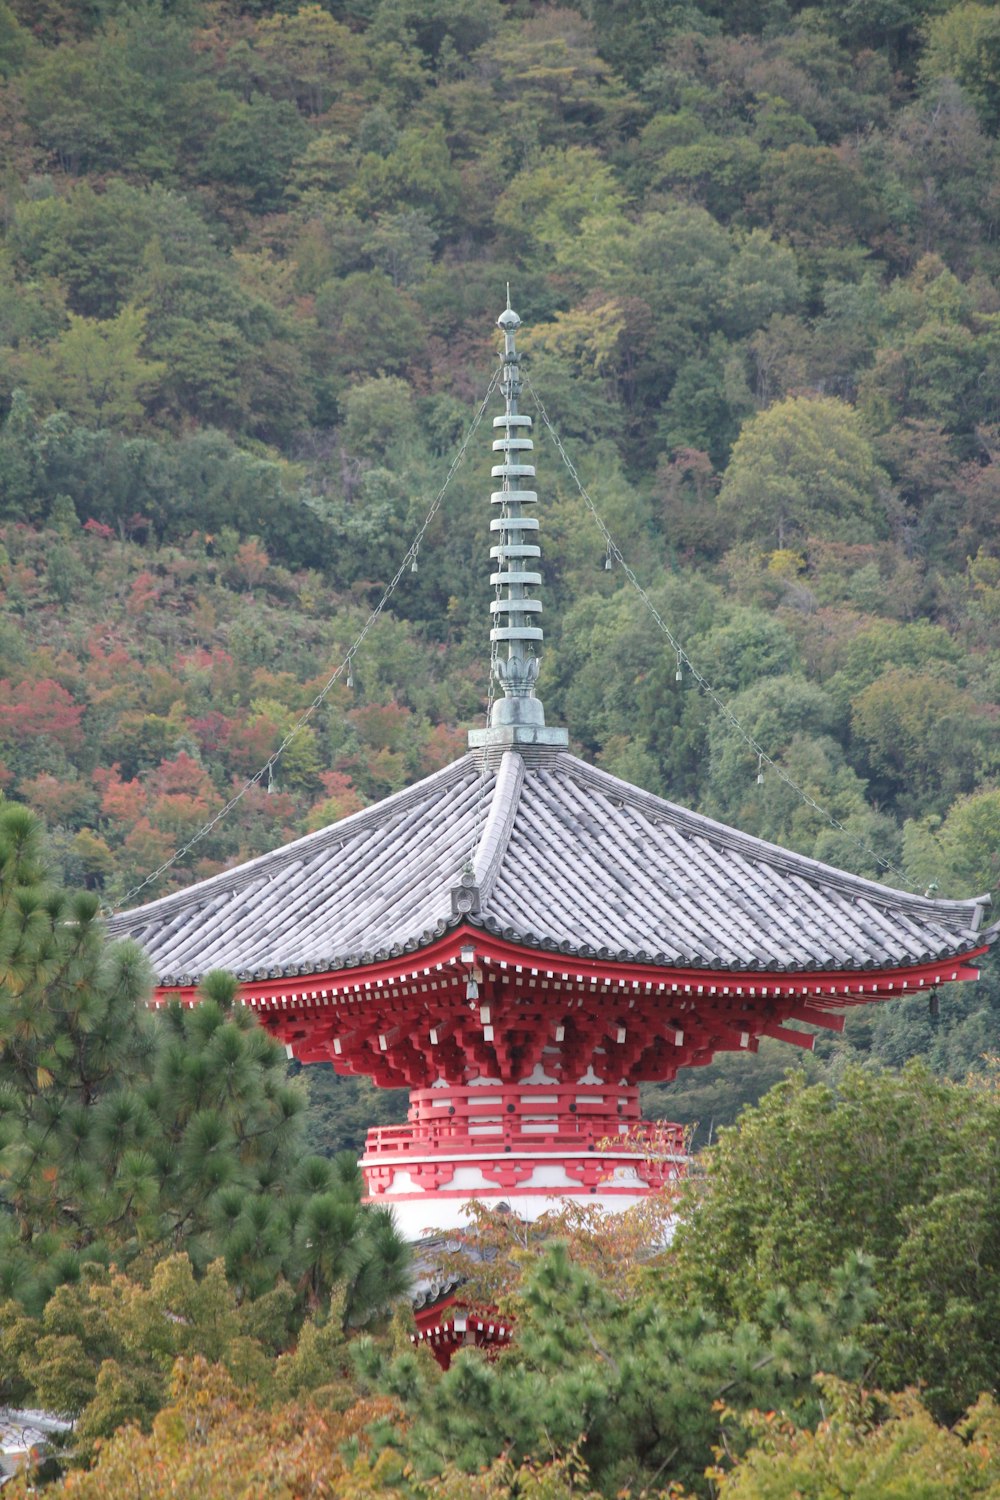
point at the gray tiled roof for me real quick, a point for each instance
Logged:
(565, 857)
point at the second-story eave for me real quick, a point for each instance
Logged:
(430, 967)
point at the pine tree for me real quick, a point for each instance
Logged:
(71, 1031)
(630, 1384)
(127, 1134)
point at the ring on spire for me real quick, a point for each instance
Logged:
(516, 718)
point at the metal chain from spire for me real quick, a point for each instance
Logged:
(683, 660)
(409, 557)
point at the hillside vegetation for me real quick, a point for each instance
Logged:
(250, 255)
(250, 258)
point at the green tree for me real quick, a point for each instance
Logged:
(761, 282)
(416, 174)
(716, 171)
(72, 1031)
(804, 468)
(701, 411)
(964, 43)
(103, 1346)
(629, 1380)
(937, 362)
(794, 719)
(308, 58)
(379, 419)
(343, 1108)
(96, 243)
(813, 198)
(675, 261)
(253, 149)
(970, 837)
(545, 206)
(14, 42)
(867, 1444)
(201, 481)
(636, 35)
(887, 1165)
(401, 245)
(371, 327)
(867, 653)
(96, 371)
(134, 96)
(233, 359)
(940, 166)
(124, 1133)
(464, 24)
(923, 737)
(552, 85)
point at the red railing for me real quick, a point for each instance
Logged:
(526, 1119)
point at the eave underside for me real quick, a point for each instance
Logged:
(470, 1005)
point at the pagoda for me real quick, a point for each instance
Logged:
(521, 939)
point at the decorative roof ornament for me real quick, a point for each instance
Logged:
(517, 718)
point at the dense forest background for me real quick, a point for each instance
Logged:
(250, 256)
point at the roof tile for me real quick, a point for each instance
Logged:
(566, 857)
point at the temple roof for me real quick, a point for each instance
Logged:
(553, 854)
(526, 841)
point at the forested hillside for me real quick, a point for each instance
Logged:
(251, 255)
(250, 258)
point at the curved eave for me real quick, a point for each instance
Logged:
(441, 954)
(400, 955)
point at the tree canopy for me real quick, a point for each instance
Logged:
(127, 1136)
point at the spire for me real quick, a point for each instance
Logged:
(518, 717)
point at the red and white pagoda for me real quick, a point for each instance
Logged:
(521, 939)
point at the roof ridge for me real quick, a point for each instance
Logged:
(489, 853)
(202, 890)
(787, 860)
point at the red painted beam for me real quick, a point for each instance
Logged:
(804, 1039)
(814, 1017)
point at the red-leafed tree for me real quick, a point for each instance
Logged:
(43, 707)
(181, 776)
(121, 801)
